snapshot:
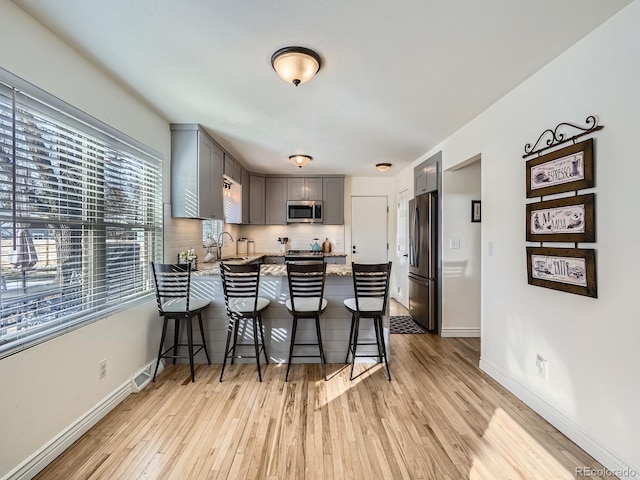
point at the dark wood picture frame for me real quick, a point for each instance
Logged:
(571, 270)
(558, 168)
(541, 211)
(476, 211)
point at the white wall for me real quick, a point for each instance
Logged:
(382, 186)
(48, 387)
(591, 344)
(461, 267)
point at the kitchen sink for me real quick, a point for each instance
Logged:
(235, 259)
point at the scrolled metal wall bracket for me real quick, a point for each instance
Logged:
(556, 137)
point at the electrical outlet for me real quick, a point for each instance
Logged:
(103, 368)
(542, 366)
(454, 243)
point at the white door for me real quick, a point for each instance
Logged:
(401, 262)
(369, 229)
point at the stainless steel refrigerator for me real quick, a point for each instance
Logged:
(423, 259)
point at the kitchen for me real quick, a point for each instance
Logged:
(280, 217)
(510, 328)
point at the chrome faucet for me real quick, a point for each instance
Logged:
(219, 243)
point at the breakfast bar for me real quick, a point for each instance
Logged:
(335, 321)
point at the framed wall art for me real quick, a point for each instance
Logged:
(475, 210)
(571, 270)
(569, 219)
(567, 169)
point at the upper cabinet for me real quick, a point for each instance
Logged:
(196, 173)
(425, 175)
(232, 168)
(333, 194)
(246, 199)
(256, 199)
(276, 201)
(304, 188)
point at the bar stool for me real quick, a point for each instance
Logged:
(306, 290)
(173, 289)
(240, 284)
(371, 286)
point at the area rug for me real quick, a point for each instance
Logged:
(404, 324)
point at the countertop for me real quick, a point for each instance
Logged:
(277, 270)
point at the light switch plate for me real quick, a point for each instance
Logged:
(454, 243)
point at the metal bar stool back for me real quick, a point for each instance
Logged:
(306, 300)
(241, 284)
(371, 287)
(173, 296)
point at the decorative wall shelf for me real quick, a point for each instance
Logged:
(556, 137)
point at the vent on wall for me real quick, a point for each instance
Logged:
(143, 377)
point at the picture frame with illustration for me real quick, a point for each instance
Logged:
(476, 211)
(564, 170)
(571, 270)
(569, 219)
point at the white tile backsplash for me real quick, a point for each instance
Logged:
(181, 234)
(300, 236)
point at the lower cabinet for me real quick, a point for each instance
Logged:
(272, 260)
(335, 260)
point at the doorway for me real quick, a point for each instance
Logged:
(369, 242)
(401, 262)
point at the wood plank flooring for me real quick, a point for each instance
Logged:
(439, 418)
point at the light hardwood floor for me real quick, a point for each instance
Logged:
(439, 418)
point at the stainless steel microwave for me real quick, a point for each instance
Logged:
(304, 211)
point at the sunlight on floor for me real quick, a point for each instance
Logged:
(506, 442)
(335, 389)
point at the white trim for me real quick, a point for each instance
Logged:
(460, 332)
(45, 455)
(568, 427)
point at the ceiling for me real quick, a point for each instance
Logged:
(398, 77)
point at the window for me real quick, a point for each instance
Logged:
(211, 229)
(80, 218)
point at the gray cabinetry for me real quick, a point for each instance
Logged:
(232, 168)
(196, 173)
(245, 195)
(333, 195)
(304, 188)
(335, 260)
(256, 199)
(425, 175)
(270, 260)
(276, 201)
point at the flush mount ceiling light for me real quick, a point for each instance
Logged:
(383, 167)
(296, 64)
(300, 160)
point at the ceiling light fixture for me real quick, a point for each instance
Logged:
(383, 167)
(300, 160)
(296, 64)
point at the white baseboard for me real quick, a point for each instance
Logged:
(568, 427)
(40, 459)
(460, 332)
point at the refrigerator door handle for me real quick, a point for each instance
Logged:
(418, 240)
(412, 237)
(432, 240)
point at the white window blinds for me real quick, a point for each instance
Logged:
(80, 220)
